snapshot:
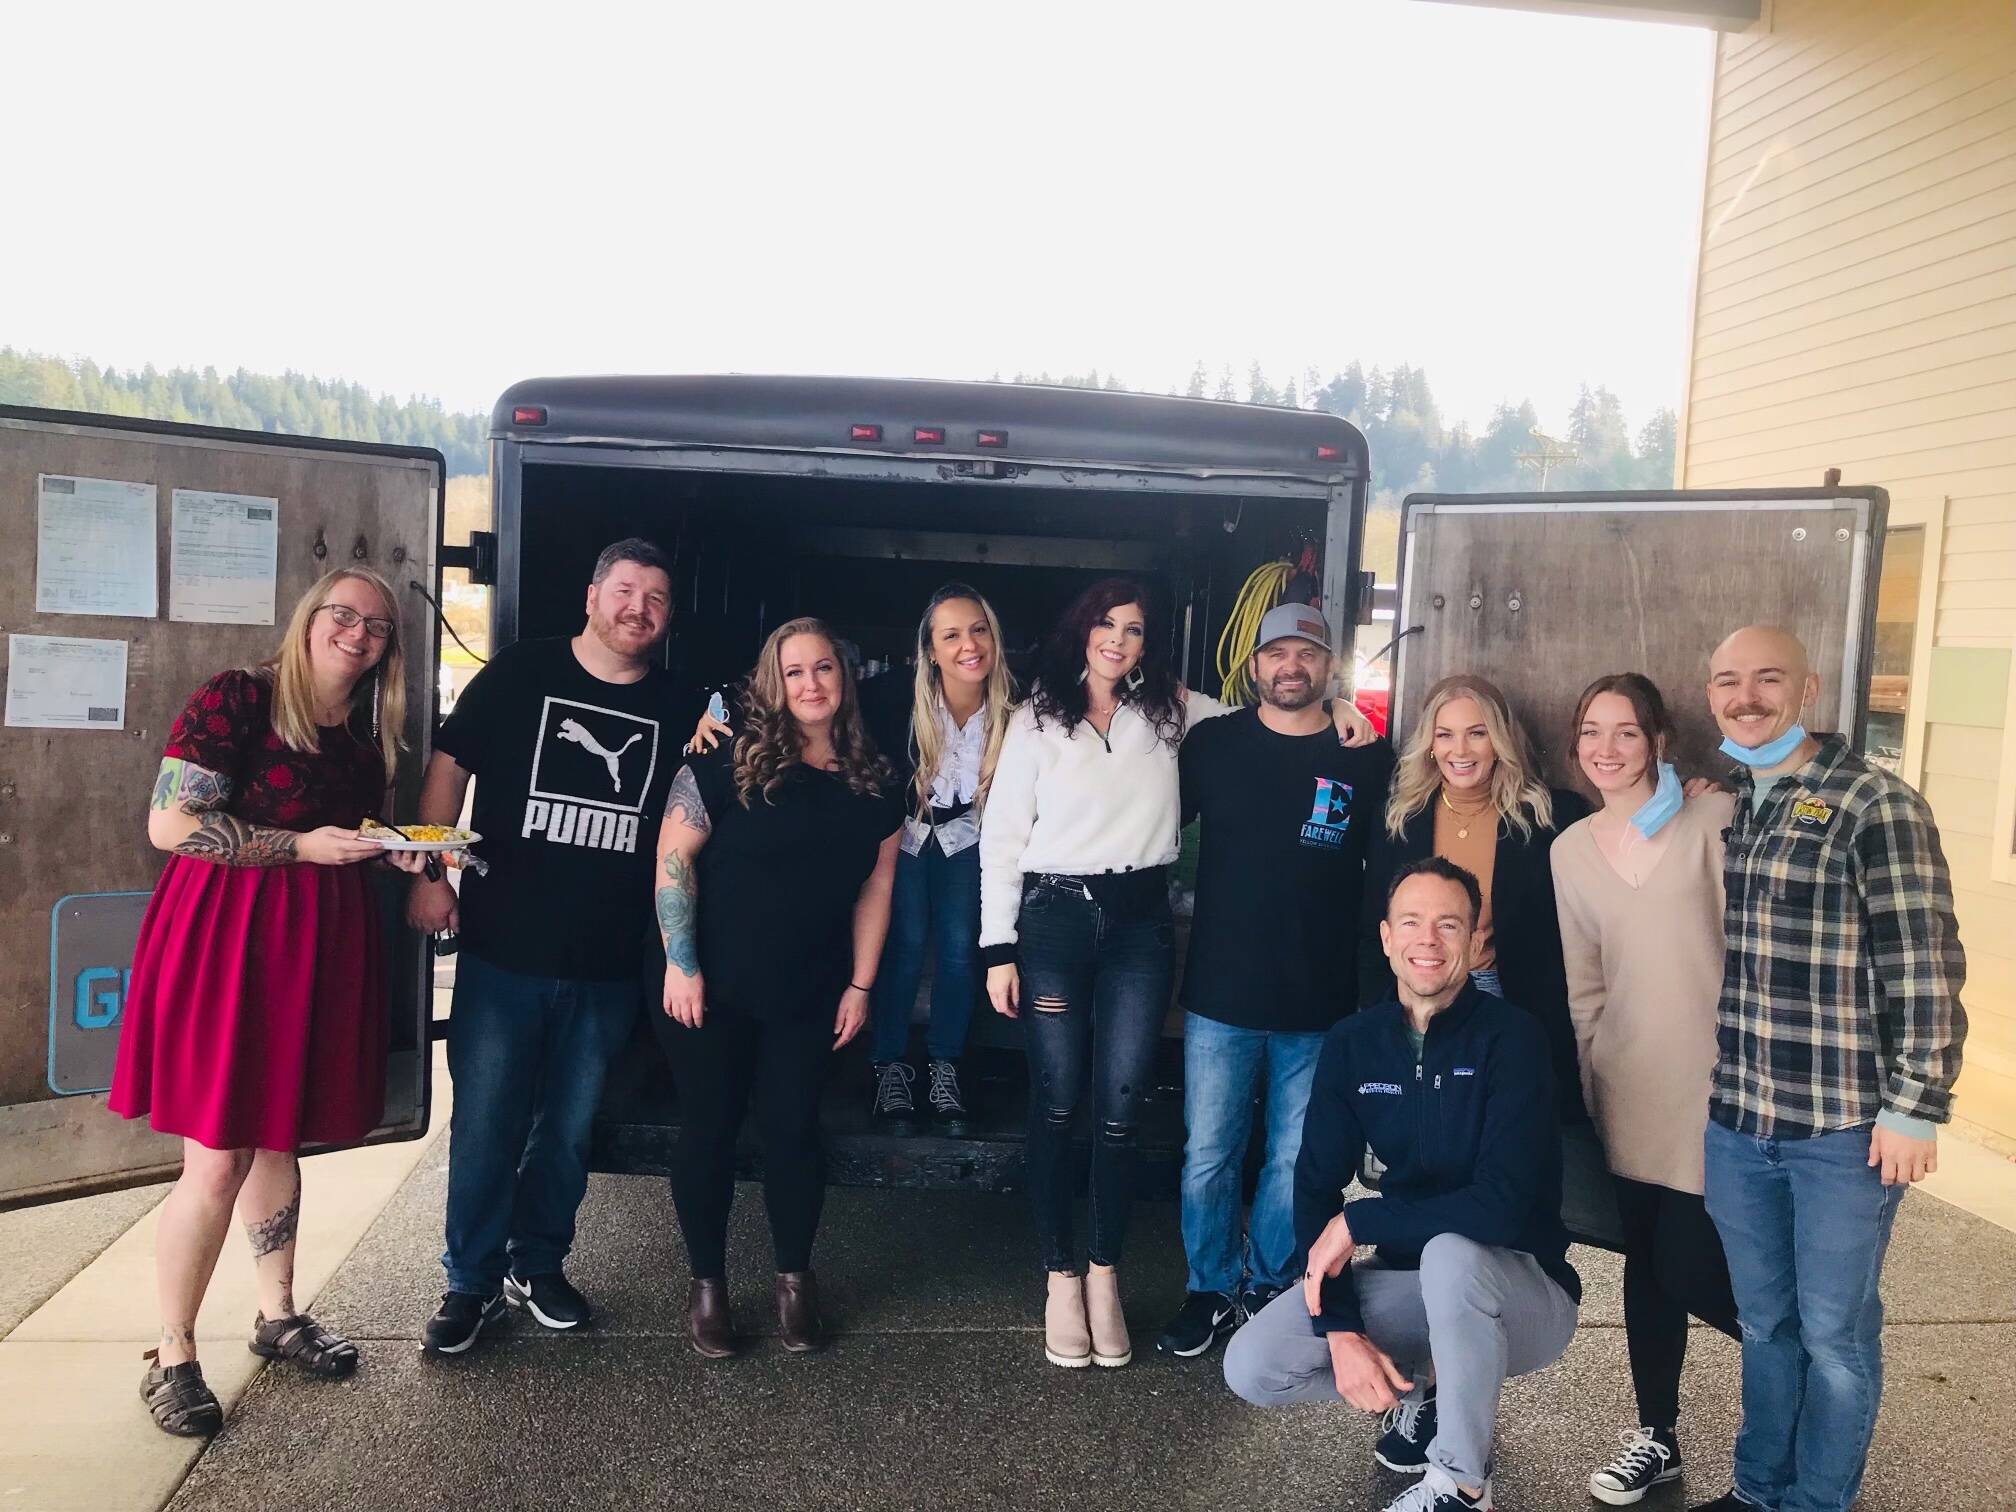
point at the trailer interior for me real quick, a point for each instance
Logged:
(751, 549)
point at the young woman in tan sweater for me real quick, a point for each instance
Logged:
(1638, 886)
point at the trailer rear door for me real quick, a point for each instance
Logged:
(1543, 593)
(75, 864)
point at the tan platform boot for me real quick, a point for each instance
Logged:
(1067, 1338)
(1110, 1343)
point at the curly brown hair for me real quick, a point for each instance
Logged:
(770, 743)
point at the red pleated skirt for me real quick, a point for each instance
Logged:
(256, 1017)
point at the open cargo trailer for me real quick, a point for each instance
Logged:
(76, 867)
(1544, 593)
(853, 499)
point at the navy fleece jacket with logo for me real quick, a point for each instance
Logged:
(1467, 1133)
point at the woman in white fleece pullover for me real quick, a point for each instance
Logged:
(1075, 928)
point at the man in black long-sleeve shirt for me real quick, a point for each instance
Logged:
(1452, 1090)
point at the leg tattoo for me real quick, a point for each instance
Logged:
(270, 1235)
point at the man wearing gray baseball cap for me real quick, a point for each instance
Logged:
(1284, 810)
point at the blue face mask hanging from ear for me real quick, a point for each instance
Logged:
(1658, 810)
(1766, 755)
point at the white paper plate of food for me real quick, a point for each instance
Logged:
(434, 838)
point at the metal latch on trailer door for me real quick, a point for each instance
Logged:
(479, 556)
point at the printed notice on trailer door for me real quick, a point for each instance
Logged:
(94, 547)
(55, 682)
(221, 553)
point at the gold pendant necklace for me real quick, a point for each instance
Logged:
(1463, 820)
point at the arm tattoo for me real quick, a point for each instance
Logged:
(270, 1235)
(678, 914)
(685, 804)
(220, 837)
(199, 789)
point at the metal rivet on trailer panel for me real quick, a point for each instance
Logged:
(321, 544)
(361, 550)
(398, 553)
(1841, 534)
(1438, 601)
(1476, 601)
(7, 791)
(1512, 603)
(1799, 532)
(6, 839)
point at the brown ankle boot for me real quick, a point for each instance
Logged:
(707, 1318)
(798, 1310)
(1110, 1343)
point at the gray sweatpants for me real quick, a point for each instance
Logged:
(1475, 1313)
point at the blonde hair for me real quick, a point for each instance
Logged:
(1517, 792)
(770, 743)
(294, 681)
(926, 739)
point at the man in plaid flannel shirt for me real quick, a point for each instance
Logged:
(1840, 1034)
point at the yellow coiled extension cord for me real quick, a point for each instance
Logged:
(1262, 591)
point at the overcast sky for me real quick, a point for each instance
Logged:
(441, 199)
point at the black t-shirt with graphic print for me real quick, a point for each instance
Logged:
(1280, 871)
(571, 777)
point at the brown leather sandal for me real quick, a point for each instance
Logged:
(300, 1340)
(179, 1400)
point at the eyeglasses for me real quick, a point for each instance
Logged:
(350, 619)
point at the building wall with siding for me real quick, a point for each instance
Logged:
(1855, 307)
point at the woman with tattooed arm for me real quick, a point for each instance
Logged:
(776, 858)
(256, 1018)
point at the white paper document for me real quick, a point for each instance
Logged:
(222, 551)
(55, 682)
(94, 547)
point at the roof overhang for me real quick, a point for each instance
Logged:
(1720, 15)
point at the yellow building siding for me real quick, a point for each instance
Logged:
(1855, 307)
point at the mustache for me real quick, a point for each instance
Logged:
(1741, 709)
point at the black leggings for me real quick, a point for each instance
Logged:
(719, 1069)
(1673, 1267)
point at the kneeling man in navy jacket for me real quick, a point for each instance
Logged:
(1452, 1090)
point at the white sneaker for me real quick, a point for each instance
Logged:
(1436, 1492)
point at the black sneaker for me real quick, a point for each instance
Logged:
(1436, 1492)
(1731, 1500)
(948, 1108)
(895, 1109)
(1253, 1298)
(462, 1316)
(549, 1298)
(1410, 1429)
(1651, 1458)
(1204, 1319)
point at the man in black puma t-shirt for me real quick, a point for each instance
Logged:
(573, 749)
(1284, 810)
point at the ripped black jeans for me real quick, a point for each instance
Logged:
(1095, 990)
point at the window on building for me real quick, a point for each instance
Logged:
(1896, 639)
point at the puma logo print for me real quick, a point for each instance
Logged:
(570, 729)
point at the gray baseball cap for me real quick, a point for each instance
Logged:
(1300, 621)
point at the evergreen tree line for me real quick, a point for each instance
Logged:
(292, 404)
(1413, 451)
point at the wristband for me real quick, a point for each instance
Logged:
(856, 986)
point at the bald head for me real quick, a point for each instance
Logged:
(1759, 680)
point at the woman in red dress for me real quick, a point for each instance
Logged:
(257, 1017)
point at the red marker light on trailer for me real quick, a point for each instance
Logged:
(990, 438)
(1328, 453)
(528, 414)
(864, 433)
(929, 435)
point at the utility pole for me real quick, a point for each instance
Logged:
(1548, 453)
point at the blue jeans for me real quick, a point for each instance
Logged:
(936, 901)
(527, 1055)
(1094, 990)
(1804, 1223)
(1223, 1068)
